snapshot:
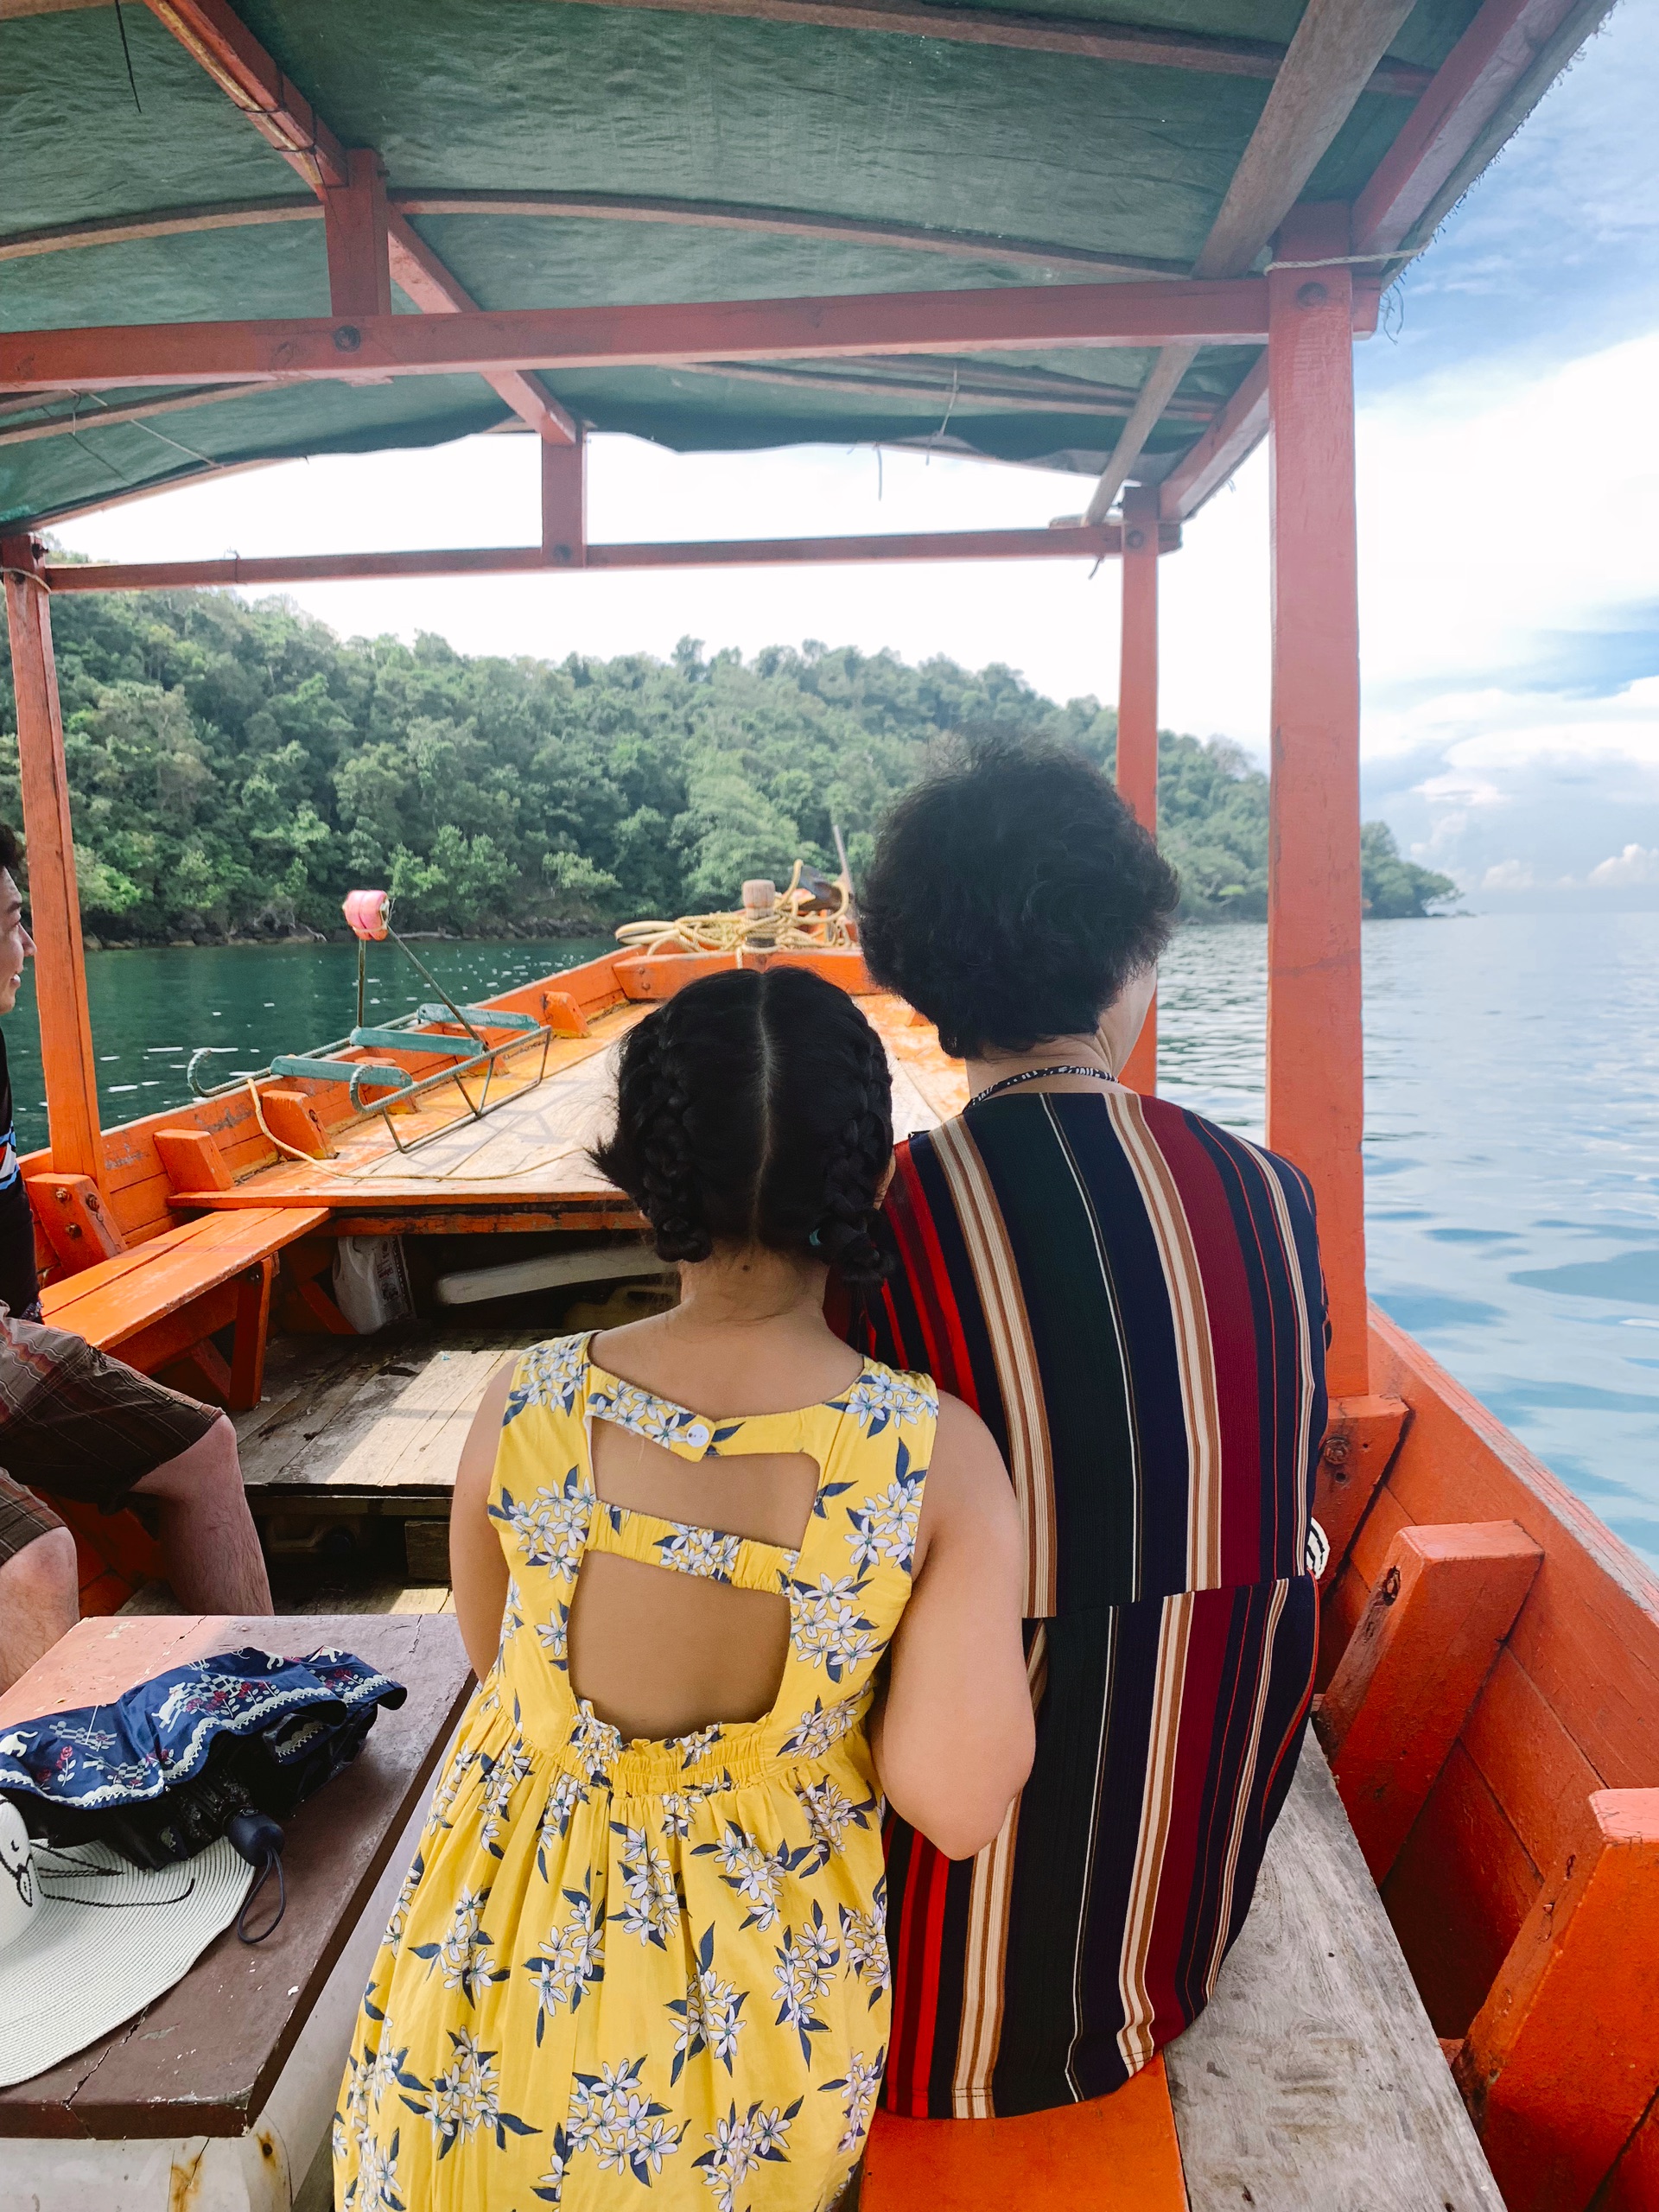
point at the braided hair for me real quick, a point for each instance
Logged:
(755, 1107)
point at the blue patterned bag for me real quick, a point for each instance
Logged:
(166, 1769)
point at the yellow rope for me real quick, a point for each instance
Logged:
(781, 927)
(311, 1158)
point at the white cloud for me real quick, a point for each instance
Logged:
(1636, 864)
(1509, 875)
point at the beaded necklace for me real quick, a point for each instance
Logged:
(1034, 1075)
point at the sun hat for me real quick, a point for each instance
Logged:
(87, 1940)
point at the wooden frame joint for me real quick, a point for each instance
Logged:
(78, 1226)
(565, 504)
(1444, 1603)
(1361, 1440)
(1562, 2061)
(354, 228)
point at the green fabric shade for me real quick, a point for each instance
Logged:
(544, 96)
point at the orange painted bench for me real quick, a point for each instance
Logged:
(162, 1300)
(1115, 2154)
(1313, 2080)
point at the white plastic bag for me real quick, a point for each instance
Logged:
(371, 1282)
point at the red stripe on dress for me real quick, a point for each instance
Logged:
(948, 1360)
(1202, 1724)
(1215, 1235)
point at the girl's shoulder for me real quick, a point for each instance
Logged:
(552, 1375)
(882, 1397)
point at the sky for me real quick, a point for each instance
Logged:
(1509, 490)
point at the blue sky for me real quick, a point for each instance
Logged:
(1509, 456)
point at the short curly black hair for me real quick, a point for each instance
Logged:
(1012, 896)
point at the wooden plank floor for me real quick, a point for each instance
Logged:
(380, 1419)
(1313, 2082)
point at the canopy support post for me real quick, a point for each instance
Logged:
(564, 502)
(1315, 1038)
(354, 228)
(1137, 717)
(71, 1071)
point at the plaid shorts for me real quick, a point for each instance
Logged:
(79, 1425)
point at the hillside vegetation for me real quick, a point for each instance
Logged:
(236, 768)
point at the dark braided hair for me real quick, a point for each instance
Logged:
(755, 1107)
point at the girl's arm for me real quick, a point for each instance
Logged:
(478, 1565)
(953, 1737)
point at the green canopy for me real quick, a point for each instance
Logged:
(769, 151)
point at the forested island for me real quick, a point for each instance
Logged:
(235, 768)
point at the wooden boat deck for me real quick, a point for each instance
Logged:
(529, 1151)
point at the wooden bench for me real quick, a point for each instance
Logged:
(1312, 2083)
(160, 1302)
(222, 2092)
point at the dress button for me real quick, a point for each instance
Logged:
(697, 1434)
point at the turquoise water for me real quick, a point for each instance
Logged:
(152, 1009)
(1512, 1149)
(1511, 1157)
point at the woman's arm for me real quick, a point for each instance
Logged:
(953, 1737)
(478, 1565)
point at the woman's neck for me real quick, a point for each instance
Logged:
(1087, 1052)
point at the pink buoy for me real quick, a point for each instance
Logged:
(369, 913)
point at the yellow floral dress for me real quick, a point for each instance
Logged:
(618, 1967)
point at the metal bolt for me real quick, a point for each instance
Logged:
(347, 338)
(562, 553)
(1311, 296)
(1135, 539)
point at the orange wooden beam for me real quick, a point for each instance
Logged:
(1633, 2185)
(1229, 442)
(1445, 1600)
(70, 1071)
(252, 1333)
(1562, 2060)
(1361, 1439)
(1467, 93)
(1104, 543)
(362, 244)
(1126, 44)
(77, 1224)
(564, 505)
(1315, 1043)
(417, 271)
(218, 38)
(1137, 716)
(1218, 312)
(354, 228)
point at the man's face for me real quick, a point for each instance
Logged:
(15, 943)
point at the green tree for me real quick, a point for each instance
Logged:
(1397, 889)
(236, 768)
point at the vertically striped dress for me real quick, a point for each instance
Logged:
(1131, 1299)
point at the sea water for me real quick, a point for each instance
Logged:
(1511, 1162)
(1512, 1128)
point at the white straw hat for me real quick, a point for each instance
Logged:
(87, 1940)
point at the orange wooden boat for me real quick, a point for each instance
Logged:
(1491, 1676)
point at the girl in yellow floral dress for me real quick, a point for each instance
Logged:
(643, 1945)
